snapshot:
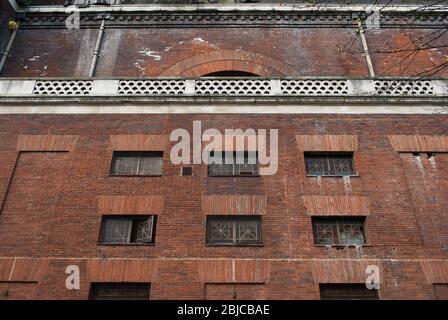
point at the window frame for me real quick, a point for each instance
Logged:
(360, 287)
(235, 220)
(234, 165)
(336, 221)
(327, 155)
(133, 219)
(96, 285)
(139, 154)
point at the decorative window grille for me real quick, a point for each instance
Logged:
(233, 163)
(234, 230)
(403, 87)
(329, 164)
(119, 291)
(62, 87)
(151, 87)
(137, 163)
(340, 231)
(127, 229)
(229, 87)
(310, 87)
(347, 291)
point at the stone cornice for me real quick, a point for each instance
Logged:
(201, 18)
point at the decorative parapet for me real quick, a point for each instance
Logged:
(255, 87)
(275, 19)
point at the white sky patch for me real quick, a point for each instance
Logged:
(148, 53)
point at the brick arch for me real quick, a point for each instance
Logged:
(226, 60)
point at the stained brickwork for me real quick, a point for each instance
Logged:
(51, 211)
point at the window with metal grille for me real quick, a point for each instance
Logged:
(233, 163)
(127, 229)
(329, 164)
(234, 230)
(137, 163)
(338, 231)
(119, 291)
(347, 291)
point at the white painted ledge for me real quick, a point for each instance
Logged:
(16, 87)
(224, 87)
(235, 108)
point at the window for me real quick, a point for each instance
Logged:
(234, 230)
(339, 231)
(347, 292)
(137, 163)
(233, 164)
(187, 171)
(231, 74)
(119, 291)
(128, 229)
(329, 164)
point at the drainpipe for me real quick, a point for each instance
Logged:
(366, 49)
(9, 46)
(97, 48)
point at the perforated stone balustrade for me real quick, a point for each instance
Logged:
(224, 87)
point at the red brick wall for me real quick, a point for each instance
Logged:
(18, 290)
(392, 51)
(134, 52)
(51, 211)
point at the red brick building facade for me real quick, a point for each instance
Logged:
(57, 149)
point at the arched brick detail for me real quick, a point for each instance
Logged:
(225, 60)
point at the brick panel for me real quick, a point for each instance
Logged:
(233, 205)
(327, 143)
(121, 270)
(130, 204)
(139, 142)
(46, 143)
(342, 271)
(435, 271)
(29, 269)
(419, 143)
(234, 271)
(328, 206)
